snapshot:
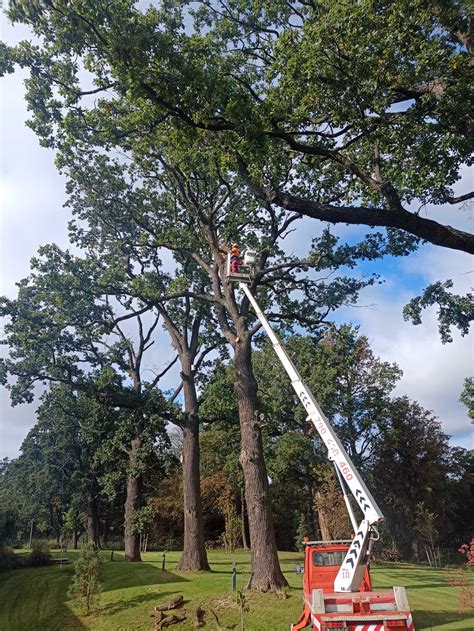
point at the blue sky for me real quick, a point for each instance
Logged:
(32, 213)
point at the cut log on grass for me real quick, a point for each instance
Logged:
(170, 621)
(199, 619)
(161, 615)
(177, 603)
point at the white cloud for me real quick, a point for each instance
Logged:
(433, 373)
(15, 423)
(31, 191)
(440, 264)
(31, 214)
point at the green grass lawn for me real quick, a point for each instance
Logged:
(35, 599)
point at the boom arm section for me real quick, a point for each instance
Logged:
(348, 578)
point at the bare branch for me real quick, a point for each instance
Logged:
(153, 383)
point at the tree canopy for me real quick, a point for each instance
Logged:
(344, 112)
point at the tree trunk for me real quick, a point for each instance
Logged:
(194, 557)
(266, 573)
(54, 523)
(415, 551)
(312, 499)
(245, 545)
(132, 504)
(105, 532)
(92, 516)
(74, 539)
(323, 522)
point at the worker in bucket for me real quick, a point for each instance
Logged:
(235, 260)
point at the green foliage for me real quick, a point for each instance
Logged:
(8, 517)
(467, 396)
(243, 606)
(40, 553)
(344, 112)
(329, 501)
(232, 535)
(350, 383)
(62, 329)
(8, 559)
(71, 521)
(222, 480)
(229, 122)
(453, 310)
(52, 478)
(425, 528)
(73, 462)
(393, 439)
(301, 532)
(361, 100)
(87, 581)
(415, 466)
(142, 519)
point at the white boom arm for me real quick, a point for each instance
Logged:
(352, 568)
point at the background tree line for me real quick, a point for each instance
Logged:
(71, 481)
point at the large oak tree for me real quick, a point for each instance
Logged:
(195, 216)
(366, 104)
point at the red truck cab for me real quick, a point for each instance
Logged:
(322, 562)
(365, 610)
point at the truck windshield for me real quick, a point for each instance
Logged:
(328, 558)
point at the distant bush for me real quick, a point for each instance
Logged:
(8, 559)
(387, 554)
(168, 542)
(114, 544)
(40, 554)
(214, 544)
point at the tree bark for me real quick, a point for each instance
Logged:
(194, 557)
(132, 504)
(92, 516)
(245, 544)
(312, 488)
(266, 572)
(415, 551)
(105, 532)
(323, 522)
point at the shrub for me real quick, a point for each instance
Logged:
(40, 553)
(388, 553)
(87, 582)
(8, 559)
(459, 577)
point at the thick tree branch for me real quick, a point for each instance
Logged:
(421, 227)
(461, 198)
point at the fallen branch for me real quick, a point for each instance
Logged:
(177, 603)
(168, 622)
